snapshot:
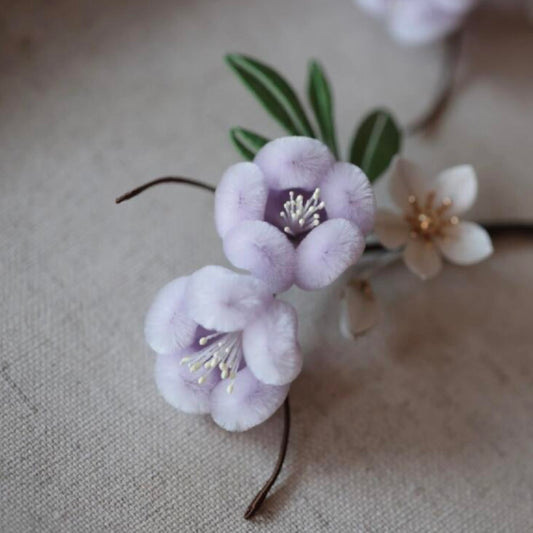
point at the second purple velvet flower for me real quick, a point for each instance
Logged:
(294, 215)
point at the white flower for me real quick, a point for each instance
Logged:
(430, 227)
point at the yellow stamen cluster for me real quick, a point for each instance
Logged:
(429, 220)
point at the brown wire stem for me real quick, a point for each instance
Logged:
(168, 179)
(445, 89)
(495, 229)
(260, 497)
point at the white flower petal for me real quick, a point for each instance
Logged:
(459, 184)
(466, 243)
(391, 229)
(422, 258)
(406, 179)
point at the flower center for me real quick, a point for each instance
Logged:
(222, 351)
(428, 220)
(299, 217)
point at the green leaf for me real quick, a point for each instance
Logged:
(271, 89)
(322, 103)
(247, 142)
(377, 140)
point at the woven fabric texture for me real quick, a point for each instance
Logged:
(423, 425)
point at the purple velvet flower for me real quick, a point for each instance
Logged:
(419, 21)
(225, 346)
(294, 215)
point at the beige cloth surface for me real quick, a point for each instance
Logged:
(423, 425)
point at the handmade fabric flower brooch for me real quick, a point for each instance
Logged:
(294, 214)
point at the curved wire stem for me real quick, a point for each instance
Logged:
(495, 229)
(445, 88)
(158, 181)
(260, 497)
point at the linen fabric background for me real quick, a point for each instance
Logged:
(423, 425)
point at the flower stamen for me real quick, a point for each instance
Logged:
(299, 217)
(224, 354)
(428, 220)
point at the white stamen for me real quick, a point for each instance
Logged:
(204, 340)
(224, 355)
(299, 217)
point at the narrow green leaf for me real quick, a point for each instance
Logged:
(274, 93)
(376, 141)
(247, 142)
(322, 103)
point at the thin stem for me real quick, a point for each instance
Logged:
(494, 229)
(260, 497)
(445, 90)
(256, 503)
(168, 179)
